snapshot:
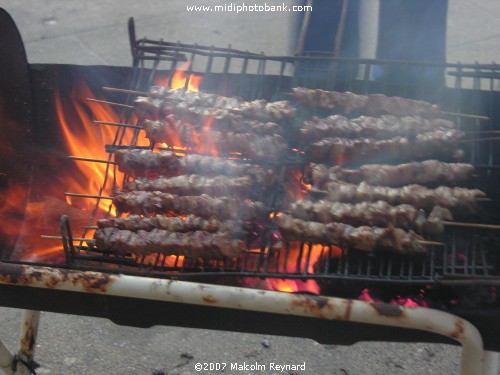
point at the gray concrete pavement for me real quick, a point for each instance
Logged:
(94, 32)
(80, 345)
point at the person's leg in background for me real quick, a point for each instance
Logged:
(412, 31)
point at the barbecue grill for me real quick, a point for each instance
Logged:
(87, 281)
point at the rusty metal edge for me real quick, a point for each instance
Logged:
(329, 308)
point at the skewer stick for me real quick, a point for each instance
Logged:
(125, 91)
(87, 196)
(483, 132)
(475, 117)
(431, 243)
(471, 225)
(116, 124)
(81, 158)
(109, 103)
(60, 238)
(317, 192)
(480, 140)
(91, 227)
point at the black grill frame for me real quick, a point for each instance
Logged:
(466, 256)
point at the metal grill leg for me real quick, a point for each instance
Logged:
(6, 359)
(490, 366)
(29, 330)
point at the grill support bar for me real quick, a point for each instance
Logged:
(320, 307)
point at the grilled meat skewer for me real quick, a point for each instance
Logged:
(195, 185)
(145, 162)
(423, 173)
(138, 163)
(174, 132)
(192, 98)
(198, 106)
(371, 105)
(378, 214)
(223, 208)
(383, 127)
(197, 244)
(431, 144)
(190, 223)
(455, 199)
(365, 238)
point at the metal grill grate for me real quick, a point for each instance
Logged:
(468, 253)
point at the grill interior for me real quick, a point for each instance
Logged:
(469, 253)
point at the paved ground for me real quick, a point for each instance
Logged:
(94, 32)
(81, 346)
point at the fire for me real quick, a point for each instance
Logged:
(296, 188)
(82, 138)
(292, 285)
(85, 138)
(293, 266)
(170, 261)
(199, 143)
(179, 79)
(412, 301)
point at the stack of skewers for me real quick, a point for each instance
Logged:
(372, 207)
(192, 203)
(201, 205)
(204, 122)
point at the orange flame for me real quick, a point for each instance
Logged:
(85, 138)
(293, 285)
(179, 79)
(313, 253)
(81, 138)
(295, 187)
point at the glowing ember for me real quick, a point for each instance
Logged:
(365, 296)
(293, 286)
(413, 301)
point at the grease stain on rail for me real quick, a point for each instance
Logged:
(54, 278)
(459, 331)
(388, 310)
(317, 306)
